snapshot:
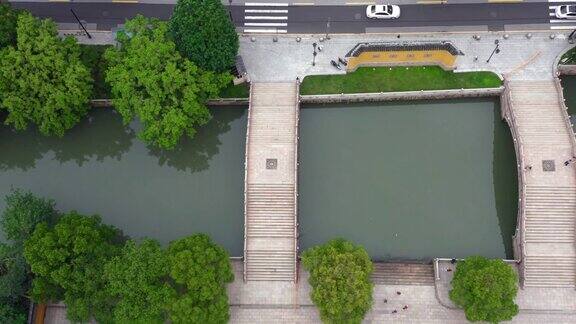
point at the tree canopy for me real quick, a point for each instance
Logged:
(201, 269)
(203, 33)
(151, 81)
(485, 289)
(42, 80)
(137, 279)
(23, 212)
(67, 261)
(8, 19)
(340, 279)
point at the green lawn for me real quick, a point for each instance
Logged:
(386, 79)
(235, 91)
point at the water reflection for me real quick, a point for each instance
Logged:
(195, 154)
(505, 179)
(101, 135)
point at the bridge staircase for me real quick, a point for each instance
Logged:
(548, 192)
(270, 246)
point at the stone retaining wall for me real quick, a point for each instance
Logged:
(404, 95)
(358, 97)
(567, 69)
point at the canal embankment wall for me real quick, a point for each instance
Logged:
(567, 69)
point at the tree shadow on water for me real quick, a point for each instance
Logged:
(505, 180)
(194, 155)
(100, 135)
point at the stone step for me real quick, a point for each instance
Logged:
(403, 274)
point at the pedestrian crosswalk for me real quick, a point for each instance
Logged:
(262, 17)
(560, 24)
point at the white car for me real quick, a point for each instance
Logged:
(383, 11)
(566, 12)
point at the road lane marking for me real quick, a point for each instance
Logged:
(360, 3)
(552, 14)
(266, 17)
(432, 1)
(504, 1)
(562, 21)
(267, 31)
(303, 3)
(266, 24)
(265, 4)
(561, 0)
(563, 27)
(265, 11)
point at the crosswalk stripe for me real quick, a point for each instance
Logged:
(552, 7)
(552, 14)
(266, 24)
(268, 31)
(553, 1)
(563, 27)
(265, 11)
(266, 17)
(561, 21)
(266, 4)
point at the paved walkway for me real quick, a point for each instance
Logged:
(548, 190)
(271, 148)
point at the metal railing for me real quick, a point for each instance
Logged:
(403, 46)
(296, 124)
(510, 117)
(564, 109)
(247, 150)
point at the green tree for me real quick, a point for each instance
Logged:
(42, 80)
(8, 19)
(201, 270)
(68, 261)
(203, 33)
(137, 279)
(13, 274)
(13, 314)
(485, 289)
(23, 212)
(151, 81)
(340, 279)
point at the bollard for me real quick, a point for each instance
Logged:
(529, 35)
(321, 39)
(252, 39)
(275, 39)
(506, 36)
(298, 39)
(552, 36)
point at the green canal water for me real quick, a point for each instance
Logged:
(569, 85)
(406, 180)
(409, 180)
(100, 167)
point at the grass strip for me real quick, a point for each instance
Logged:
(392, 79)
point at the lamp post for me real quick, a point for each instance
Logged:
(495, 51)
(81, 24)
(314, 54)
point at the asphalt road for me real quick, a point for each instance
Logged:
(314, 19)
